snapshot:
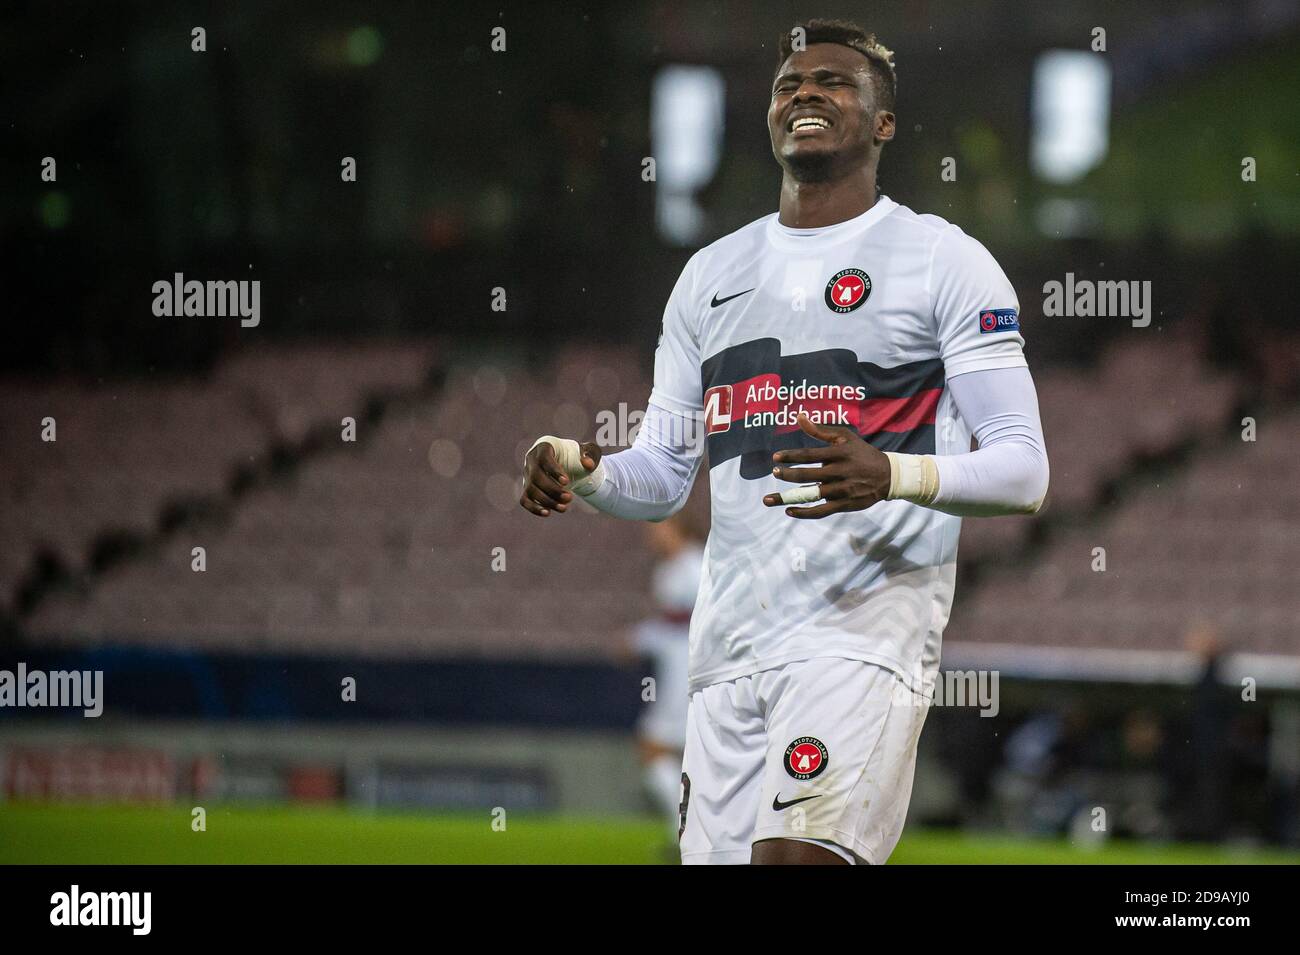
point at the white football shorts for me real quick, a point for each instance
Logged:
(822, 750)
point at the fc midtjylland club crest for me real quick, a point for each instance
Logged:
(847, 290)
(806, 757)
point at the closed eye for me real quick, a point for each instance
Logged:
(786, 87)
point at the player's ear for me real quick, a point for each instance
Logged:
(884, 130)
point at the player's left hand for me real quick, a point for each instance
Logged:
(853, 475)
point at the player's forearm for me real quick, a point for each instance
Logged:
(651, 480)
(1008, 478)
(1008, 474)
(638, 486)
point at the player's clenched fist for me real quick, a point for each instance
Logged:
(552, 468)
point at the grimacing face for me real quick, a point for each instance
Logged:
(823, 112)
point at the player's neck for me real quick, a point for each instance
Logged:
(812, 205)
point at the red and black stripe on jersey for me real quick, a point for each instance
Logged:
(895, 413)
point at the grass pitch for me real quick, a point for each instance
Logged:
(86, 834)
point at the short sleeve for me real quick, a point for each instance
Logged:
(677, 356)
(975, 307)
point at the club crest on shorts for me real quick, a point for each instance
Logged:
(806, 757)
(847, 290)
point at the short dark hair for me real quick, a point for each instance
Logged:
(854, 37)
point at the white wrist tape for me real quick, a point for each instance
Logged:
(568, 455)
(912, 477)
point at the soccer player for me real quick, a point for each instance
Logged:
(838, 357)
(664, 640)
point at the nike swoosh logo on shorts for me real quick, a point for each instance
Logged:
(778, 805)
(722, 301)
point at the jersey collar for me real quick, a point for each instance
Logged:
(799, 240)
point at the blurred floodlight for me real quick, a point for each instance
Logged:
(686, 124)
(1064, 218)
(364, 46)
(1070, 107)
(55, 210)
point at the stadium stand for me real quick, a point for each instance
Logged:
(1214, 542)
(387, 546)
(1094, 437)
(130, 455)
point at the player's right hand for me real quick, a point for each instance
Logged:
(545, 483)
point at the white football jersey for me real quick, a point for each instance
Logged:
(860, 323)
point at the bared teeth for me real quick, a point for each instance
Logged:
(810, 122)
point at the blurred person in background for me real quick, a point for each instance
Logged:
(1040, 788)
(663, 640)
(1235, 795)
(1204, 766)
(1207, 737)
(1142, 774)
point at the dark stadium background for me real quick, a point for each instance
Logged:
(522, 170)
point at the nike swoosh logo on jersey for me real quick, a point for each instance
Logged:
(722, 301)
(778, 805)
